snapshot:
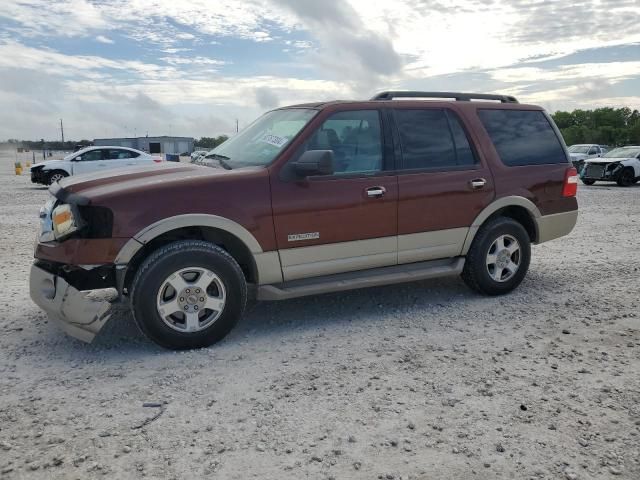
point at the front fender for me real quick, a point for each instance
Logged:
(633, 163)
(267, 263)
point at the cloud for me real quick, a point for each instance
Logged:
(103, 39)
(266, 98)
(184, 60)
(615, 71)
(195, 64)
(344, 40)
(66, 18)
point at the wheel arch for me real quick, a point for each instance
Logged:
(521, 209)
(258, 267)
(634, 165)
(50, 172)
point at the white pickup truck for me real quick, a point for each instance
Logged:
(87, 160)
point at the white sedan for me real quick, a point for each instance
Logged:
(87, 160)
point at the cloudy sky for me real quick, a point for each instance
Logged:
(191, 67)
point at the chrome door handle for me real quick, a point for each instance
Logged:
(376, 192)
(477, 183)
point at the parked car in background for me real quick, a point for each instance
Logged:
(620, 165)
(309, 199)
(197, 154)
(88, 160)
(580, 152)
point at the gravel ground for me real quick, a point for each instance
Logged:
(424, 380)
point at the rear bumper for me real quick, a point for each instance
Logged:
(556, 225)
(79, 316)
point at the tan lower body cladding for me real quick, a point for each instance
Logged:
(313, 261)
(319, 260)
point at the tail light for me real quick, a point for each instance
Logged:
(157, 160)
(570, 187)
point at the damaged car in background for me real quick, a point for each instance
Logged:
(620, 165)
(580, 152)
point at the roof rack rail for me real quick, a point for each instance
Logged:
(458, 96)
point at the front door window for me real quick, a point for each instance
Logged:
(355, 139)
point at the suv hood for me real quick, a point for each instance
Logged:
(88, 187)
(47, 164)
(607, 160)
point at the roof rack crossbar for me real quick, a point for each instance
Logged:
(458, 96)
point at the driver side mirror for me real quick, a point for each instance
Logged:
(314, 162)
(77, 159)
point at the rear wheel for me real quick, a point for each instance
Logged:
(188, 294)
(588, 182)
(627, 177)
(499, 257)
(56, 176)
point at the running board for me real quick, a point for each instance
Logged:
(361, 279)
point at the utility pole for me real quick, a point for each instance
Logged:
(62, 131)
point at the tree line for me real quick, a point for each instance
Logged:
(43, 144)
(604, 126)
(210, 142)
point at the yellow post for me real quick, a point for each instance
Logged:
(18, 166)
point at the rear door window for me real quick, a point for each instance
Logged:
(432, 139)
(118, 154)
(523, 137)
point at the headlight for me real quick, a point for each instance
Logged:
(64, 220)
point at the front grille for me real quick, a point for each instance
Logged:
(594, 171)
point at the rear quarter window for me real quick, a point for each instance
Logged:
(523, 137)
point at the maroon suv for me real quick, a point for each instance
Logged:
(309, 199)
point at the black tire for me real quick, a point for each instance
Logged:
(169, 259)
(476, 274)
(55, 176)
(586, 181)
(627, 177)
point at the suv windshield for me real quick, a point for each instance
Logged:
(624, 152)
(263, 140)
(579, 148)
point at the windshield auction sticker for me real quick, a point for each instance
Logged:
(274, 140)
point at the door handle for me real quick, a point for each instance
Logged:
(477, 183)
(376, 192)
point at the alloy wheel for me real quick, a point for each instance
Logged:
(191, 299)
(503, 258)
(56, 177)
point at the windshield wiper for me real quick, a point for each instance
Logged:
(221, 160)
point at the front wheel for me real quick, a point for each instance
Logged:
(56, 176)
(627, 177)
(188, 294)
(499, 257)
(588, 182)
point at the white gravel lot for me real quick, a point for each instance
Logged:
(425, 380)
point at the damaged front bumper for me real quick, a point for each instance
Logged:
(79, 316)
(609, 172)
